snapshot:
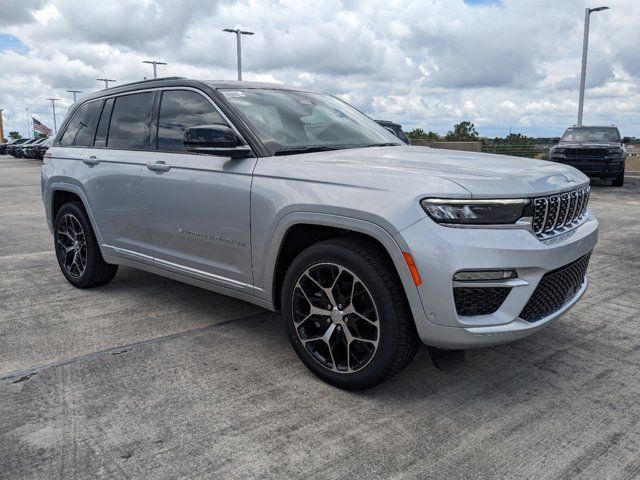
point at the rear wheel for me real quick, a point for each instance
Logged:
(77, 250)
(345, 314)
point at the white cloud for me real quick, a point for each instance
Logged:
(424, 64)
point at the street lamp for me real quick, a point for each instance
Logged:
(106, 81)
(53, 107)
(26, 112)
(585, 45)
(238, 33)
(154, 63)
(74, 94)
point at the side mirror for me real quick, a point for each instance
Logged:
(216, 139)
(626, 140)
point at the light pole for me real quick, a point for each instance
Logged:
(154, 63)
(74, 94)
(585, 46)
(53, 107)
(26, 112)
(1, 127)
(238, 33)
(106, 81)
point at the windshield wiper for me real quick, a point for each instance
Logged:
(388, 144)
(307, 149)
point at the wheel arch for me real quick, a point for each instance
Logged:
(297, 231)
(61, 193)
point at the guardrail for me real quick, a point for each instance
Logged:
(519, 150)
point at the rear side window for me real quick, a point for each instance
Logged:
(129, 127)
(82, 126)
(179, 110)
(103, 124)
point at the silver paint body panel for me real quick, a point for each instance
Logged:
(218, 223)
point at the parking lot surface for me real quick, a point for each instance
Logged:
(149, 378)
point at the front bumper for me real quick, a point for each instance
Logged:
(439, 252)
(596, 168)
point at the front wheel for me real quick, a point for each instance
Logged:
(619, 180)
(345, 314)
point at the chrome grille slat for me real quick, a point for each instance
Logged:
(552, 213)
(555, 213)
(574, 205)
(580, 204)
(540, 214)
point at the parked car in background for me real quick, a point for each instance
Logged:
(21, 150)
(396, 129)
(299, 203)
(30, 150)
(13, 146)
(598, 152)
(42, 148)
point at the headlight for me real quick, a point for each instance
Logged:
(559, 151)
(476, 212)
(614, 151)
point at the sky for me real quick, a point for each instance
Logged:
(509, 65)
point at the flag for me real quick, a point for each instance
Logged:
(40, 127)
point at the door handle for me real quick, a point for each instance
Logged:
(91, 161)
(159, 166)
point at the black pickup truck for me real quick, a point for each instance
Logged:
(598, 152)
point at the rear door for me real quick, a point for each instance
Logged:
(112, 166)
(197, 206)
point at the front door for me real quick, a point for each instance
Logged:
(197, 206)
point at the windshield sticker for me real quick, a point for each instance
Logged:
(232, 93)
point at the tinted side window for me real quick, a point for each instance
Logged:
(82, 126)
(179, 110)
(129, 127)
(103, 124)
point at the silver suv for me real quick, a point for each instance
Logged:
(296, 201)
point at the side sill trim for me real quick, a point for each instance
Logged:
(182, 269)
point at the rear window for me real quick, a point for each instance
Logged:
(129, 127)
(82, 126)
(103, 124)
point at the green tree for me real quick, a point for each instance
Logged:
(420, 134)
(514, 144)
(15, 136)
(462, 132)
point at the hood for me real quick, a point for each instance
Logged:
(588, 144)
(481, 174)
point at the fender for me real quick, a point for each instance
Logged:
(56, 186)
(393, 246)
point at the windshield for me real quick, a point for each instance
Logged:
(293, 122)
(591, 134)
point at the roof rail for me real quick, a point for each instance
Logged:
(146, 81)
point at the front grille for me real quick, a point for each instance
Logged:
(479, 300)
(556, 213)
(555, 289)
(585, 153)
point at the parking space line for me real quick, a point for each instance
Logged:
(26, 373)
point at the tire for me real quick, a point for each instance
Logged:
(619, 180)
(377, 324)
(73, 235)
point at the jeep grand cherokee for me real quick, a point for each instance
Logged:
(596, 151)
(298, 202)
